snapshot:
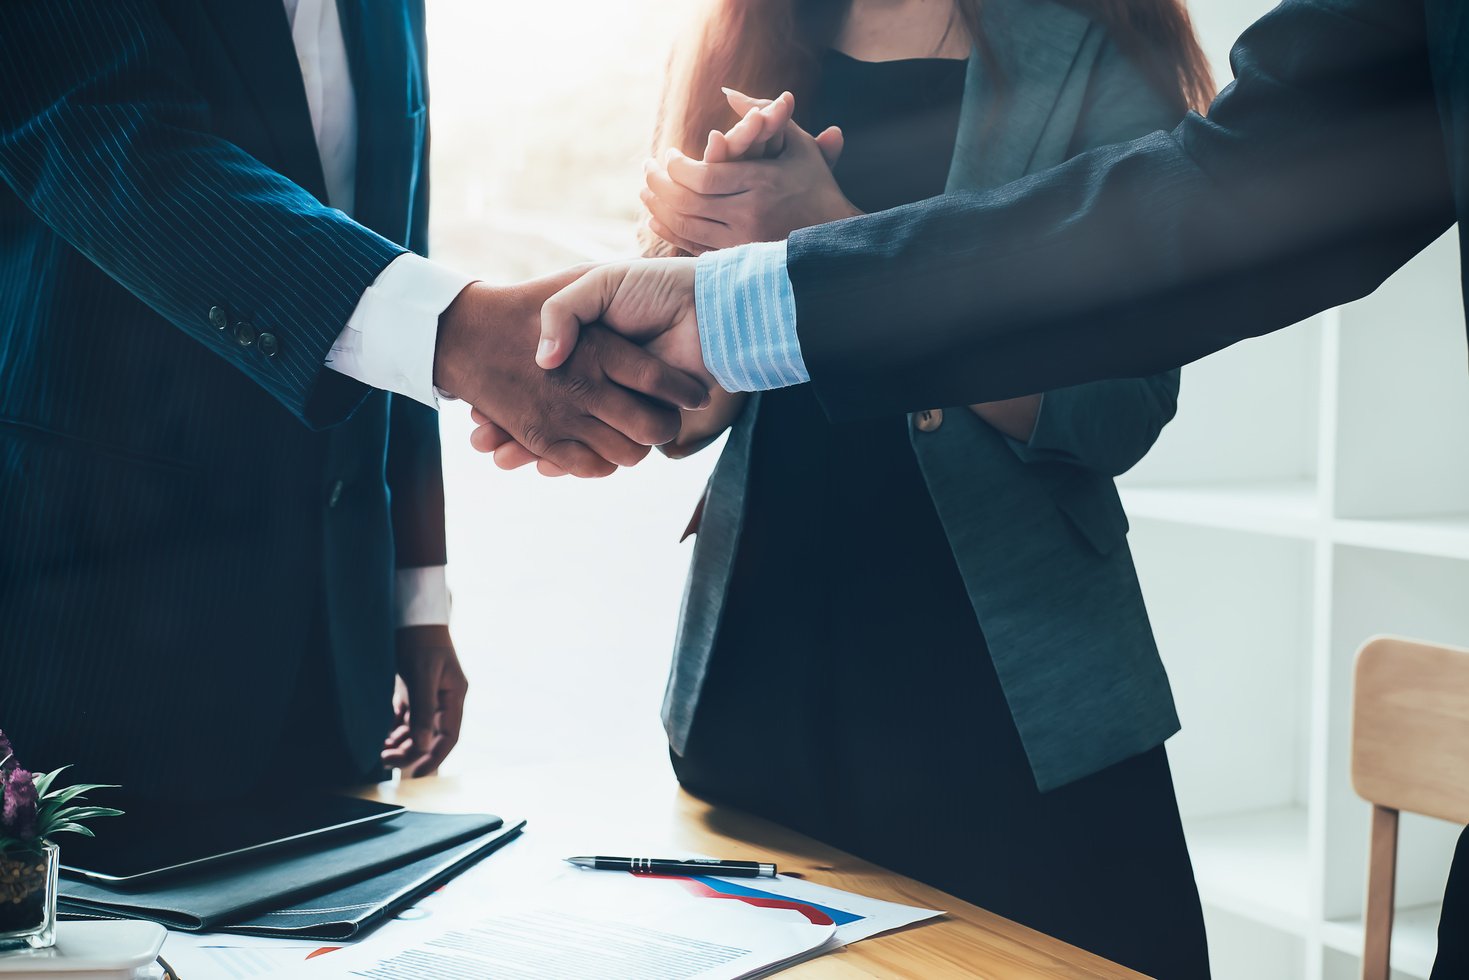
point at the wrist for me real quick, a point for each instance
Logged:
(452, 357)
(422, 636)
(843, 209)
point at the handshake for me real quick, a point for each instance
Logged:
(586, 370)
(580, 372)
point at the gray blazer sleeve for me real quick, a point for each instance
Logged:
(1108, 426)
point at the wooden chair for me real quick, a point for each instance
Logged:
(1410, 751)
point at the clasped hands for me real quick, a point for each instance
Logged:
(617, 347)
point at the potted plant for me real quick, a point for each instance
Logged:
(33, 810)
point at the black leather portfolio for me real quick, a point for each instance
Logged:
(330, 892)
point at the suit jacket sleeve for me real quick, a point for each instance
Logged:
(1315, 175)
(1108, 426)
(103, 137)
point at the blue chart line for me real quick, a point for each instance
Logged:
(838, 916)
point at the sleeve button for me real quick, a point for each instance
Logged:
(219, 317)
(267, 343)
(244, 333)
(928, 420)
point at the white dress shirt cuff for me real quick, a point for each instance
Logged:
(422, 597)
(389, 340)
(746, 309)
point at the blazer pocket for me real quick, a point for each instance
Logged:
(1090, 501)
(44, 435)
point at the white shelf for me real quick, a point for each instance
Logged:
(1255, 865)
(1444, 536)
(1414, 938)
(1288, 508)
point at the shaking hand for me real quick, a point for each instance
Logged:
(602, 405)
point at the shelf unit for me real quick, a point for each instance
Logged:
(1312, 492)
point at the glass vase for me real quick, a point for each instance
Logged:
(28, 897)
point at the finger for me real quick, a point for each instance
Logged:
(397, 736)
(710, 234)
(638, 419)
(513, 455)
(578, 303)
(678, 197)
(549, 469)
(451, 720)
(398, 741)
(577, 458)
(710, 178)
(831, 141)
(664, 232)
(609, 441)
(399, 757)
(774, 120)
(398, 749)
(744, 134)
(478, 417)
(716, 148)
(636, 370)
(488, 437)
(423, 697)
(742, 103)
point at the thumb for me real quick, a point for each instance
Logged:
(563, 315)
(831, 142)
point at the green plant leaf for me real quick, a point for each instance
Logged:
(78, 813)
(68, 793)
(43, 780)
(70, 828)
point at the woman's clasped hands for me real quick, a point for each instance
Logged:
(758, 182)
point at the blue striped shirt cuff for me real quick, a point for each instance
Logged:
(747, 318)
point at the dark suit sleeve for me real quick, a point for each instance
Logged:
(103, 137)
(1107, 426)
(1315, 175)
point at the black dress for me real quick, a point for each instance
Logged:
(850, 693)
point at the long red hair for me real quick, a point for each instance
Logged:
(764, 47)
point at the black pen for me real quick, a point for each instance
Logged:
(689, 866)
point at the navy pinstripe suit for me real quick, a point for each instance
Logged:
(191, 506)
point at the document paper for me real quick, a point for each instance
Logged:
(596, 924)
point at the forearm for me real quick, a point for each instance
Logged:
(1309, 183)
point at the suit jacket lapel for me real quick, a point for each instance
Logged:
(387, 76)
(258, 37)
(1002, 119)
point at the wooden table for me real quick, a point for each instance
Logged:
(589, 809)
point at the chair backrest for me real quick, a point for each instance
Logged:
(1410, 751)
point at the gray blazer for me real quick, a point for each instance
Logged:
(1037, 528)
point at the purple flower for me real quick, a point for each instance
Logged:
(7, 754)
(18, 817)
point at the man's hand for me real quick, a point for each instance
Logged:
(604, 405)
(650, 301)
(428, 701)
